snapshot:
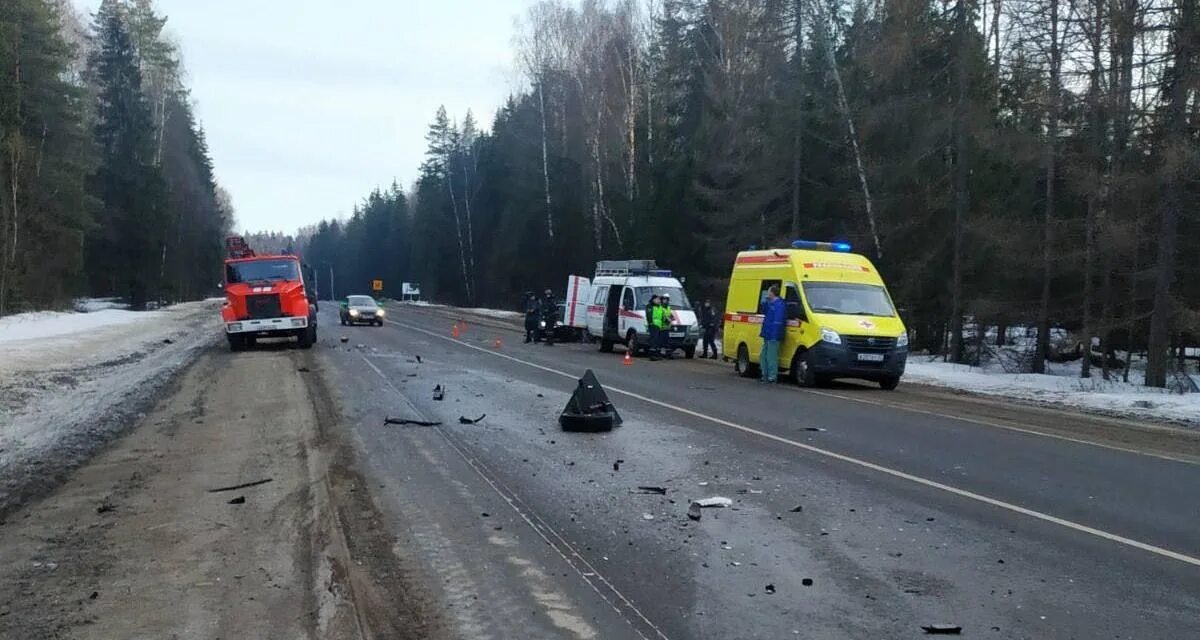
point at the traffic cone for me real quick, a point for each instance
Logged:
(454, 331)
(498, 343)
(628, 359)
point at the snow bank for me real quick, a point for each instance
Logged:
(1061, 387)
(91, 305)
(495, 313)
(70, 382)
(48, 324)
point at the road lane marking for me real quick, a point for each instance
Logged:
(986, 423)
(541, 527)
(997, 425)
(896, 473)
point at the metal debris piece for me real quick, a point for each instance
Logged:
(406, 421)
(238, 500)
(715, 501)
(655, 490)
(241, 486)
(694, 511)
(466, 420)
(942, 629)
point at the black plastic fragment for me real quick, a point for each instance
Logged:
(942, 629)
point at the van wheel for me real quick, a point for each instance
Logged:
(689, 352)
(802, 374)
(889, 384)
(631, 343)
(236, 342)
(742, 365)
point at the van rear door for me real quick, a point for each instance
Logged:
(579, 293)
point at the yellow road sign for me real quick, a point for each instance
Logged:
(377, 285)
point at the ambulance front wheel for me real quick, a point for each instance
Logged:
(802, 373)
(631, 343)
(742, 365)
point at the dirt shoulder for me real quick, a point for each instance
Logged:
(135, 544)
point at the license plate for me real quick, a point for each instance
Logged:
(678, 335)
(870, 357)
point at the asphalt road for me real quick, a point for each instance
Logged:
(914, 512)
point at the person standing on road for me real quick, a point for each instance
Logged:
(652, 327)
(550, 317)
(708, 322)
(532, 311)
(665, 314)
(774, 321)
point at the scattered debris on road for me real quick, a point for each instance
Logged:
(942, 629)
(241, 486)
(418, 359)
(813, 429)
(589, 409)
(715, 501)
(797, 509)
(770, 589)
(439, 393)
(302, 369)
(654, 490)
(466, 420)
(168, 341)
(406, 421)
(647, 516)
(694, 511)
(345, 339)
(238, 500)
(808, 582)
(105, 507)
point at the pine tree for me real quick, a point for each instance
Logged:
(125, 249)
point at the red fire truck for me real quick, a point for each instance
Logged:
(267, 296)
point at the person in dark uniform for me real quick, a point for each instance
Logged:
(708, 322)
(549, 316)
(533, 312)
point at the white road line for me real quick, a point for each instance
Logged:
(997, 425)
(528, 515)
(1008, 506)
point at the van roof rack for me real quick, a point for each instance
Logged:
(629, 268)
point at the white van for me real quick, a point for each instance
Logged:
(615, 300)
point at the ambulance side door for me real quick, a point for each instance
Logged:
(627, 304)
(793, 336)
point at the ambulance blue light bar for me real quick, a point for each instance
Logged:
(661, 273)
(840, 247)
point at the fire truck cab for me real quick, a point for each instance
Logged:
(267, 297)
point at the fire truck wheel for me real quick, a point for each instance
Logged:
(236, 342)
(307, 338)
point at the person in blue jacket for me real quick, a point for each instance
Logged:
(774, 322)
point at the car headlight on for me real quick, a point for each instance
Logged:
(354, 312)
(542, 324)
(902, 341)
(830, 336)
(380, 313)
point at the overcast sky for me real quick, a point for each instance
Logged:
(308, 104)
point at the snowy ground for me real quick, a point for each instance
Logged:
(1061, 386)
(70, 381)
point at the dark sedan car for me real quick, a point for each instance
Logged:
(361, 310)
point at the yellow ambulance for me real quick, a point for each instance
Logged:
(841, 322)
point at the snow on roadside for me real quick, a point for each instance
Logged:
(91, 305)
(48, 324)
(67, 392)
(1094, 394)
(494, 313)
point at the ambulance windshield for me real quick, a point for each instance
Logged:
(847, 298)
(678, 297)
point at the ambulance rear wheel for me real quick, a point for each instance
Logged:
(742, 365)
(802, 374)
